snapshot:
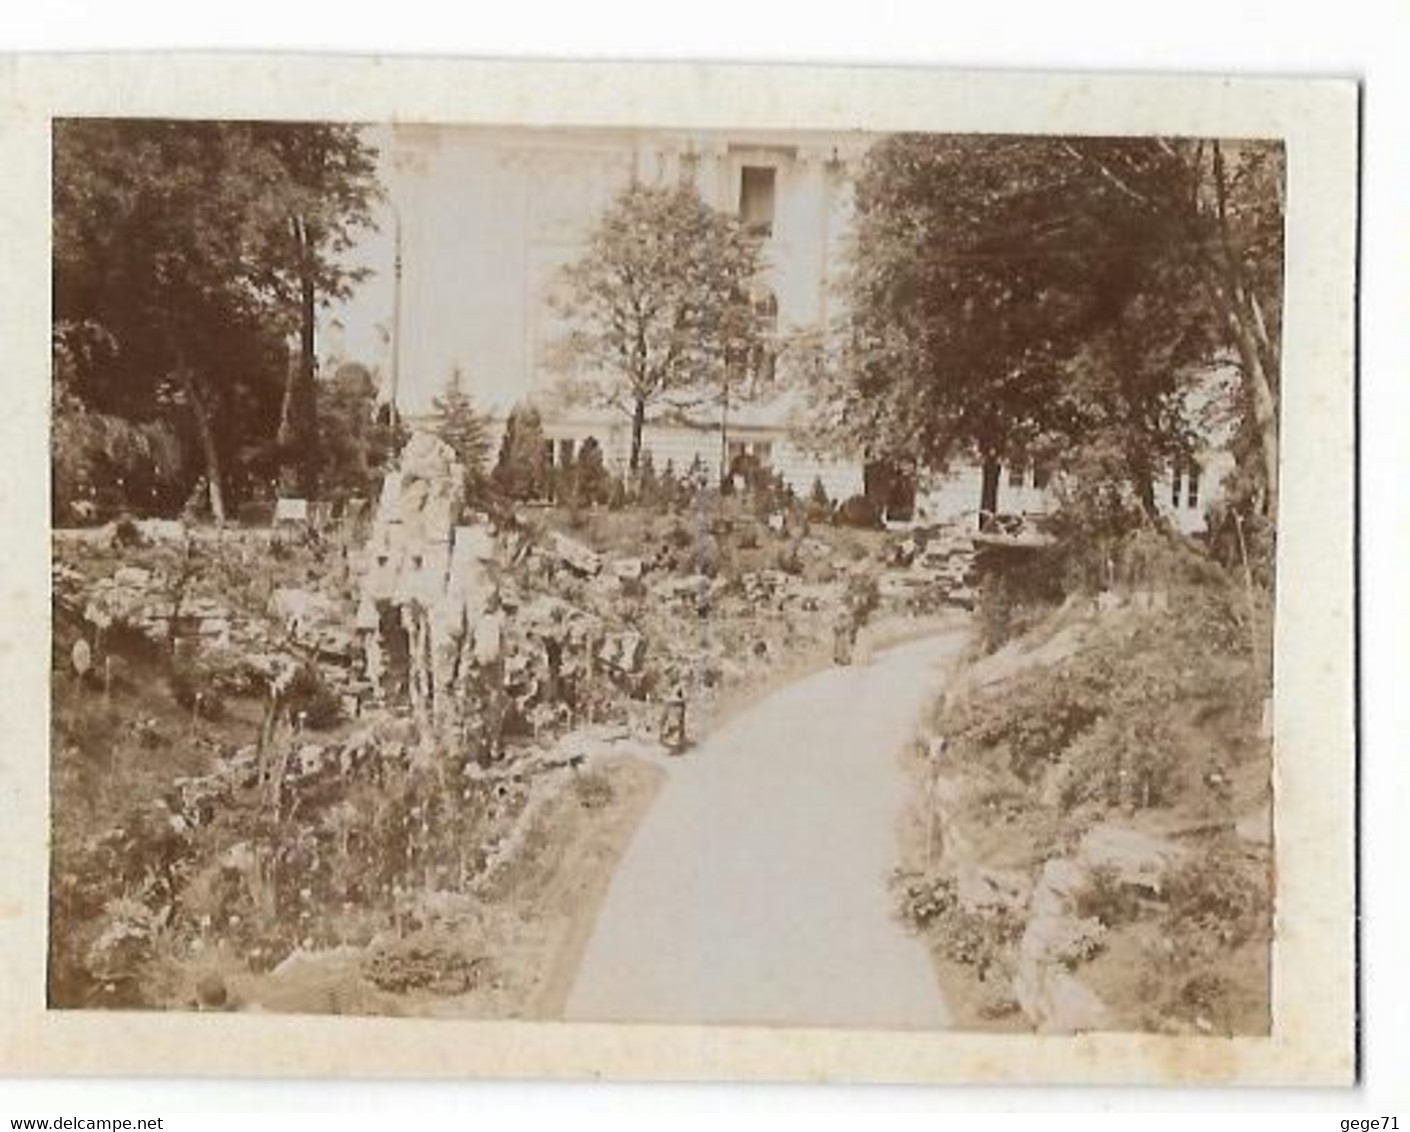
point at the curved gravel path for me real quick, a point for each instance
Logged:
(755, 891)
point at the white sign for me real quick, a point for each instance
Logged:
(291, 511)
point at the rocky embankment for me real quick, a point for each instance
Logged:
(1082, 890)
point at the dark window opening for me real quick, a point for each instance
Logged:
(1042, 476)
(891, 488)
(1185, 484)
(756, 199)
(1018, 473)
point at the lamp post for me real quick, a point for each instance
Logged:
(394, 415)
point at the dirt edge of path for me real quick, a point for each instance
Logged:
(597, 860)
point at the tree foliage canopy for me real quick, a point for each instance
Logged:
(465, 429)
(1015, 293)
(185, 253)
(356, 443)
(519, 472)
(659, 304)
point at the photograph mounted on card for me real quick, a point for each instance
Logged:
(672, 572)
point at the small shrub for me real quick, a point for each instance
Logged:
(311, 702)
(594, 790)
(1221, 896)
(1017, 589)
(126, 535)
(981, 939)
(709, 556)
(196, 692)
(680, 536)
(427, 961)
(1129, 758)
(924, 900)
(1037, 715)
(861, 513)
(1107, 899)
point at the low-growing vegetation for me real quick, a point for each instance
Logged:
(1112, 764)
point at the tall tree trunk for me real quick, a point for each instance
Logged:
(308, 386)
(206, 434)
(1145, 490)
(285, 436)
(989, 491)
(638, 426)
(297, 437)
(1259, 391)
(1143, 481)
(1238, 304)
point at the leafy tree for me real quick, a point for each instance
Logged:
(647, 484)
(594, 485)
(519, 473)
(101, 460)
(658, 305)
(323, 186)
(173, 241)
(819, 505)
(151, 224)
(1011, 294)
(355, 441)
(671, 490)
(462, 427)
(1212, 213)
(1225, 201)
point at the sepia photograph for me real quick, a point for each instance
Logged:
(634, 576)
(789, 578)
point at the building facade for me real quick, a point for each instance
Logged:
(489, 217)
(486, 219)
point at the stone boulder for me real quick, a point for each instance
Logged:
(979, 889)
(575, 556)
(1141, 860)
(623, 653)
(628, 569)
(1054, 941)
(436, 574)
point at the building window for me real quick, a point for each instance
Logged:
(736, 451)
(565, 453)
(1018, 473)
(547, 455)
(763, 452)
(1042, 476)
(1185, 482)
(756, 199)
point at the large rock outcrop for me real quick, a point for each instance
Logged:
(429, 604)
